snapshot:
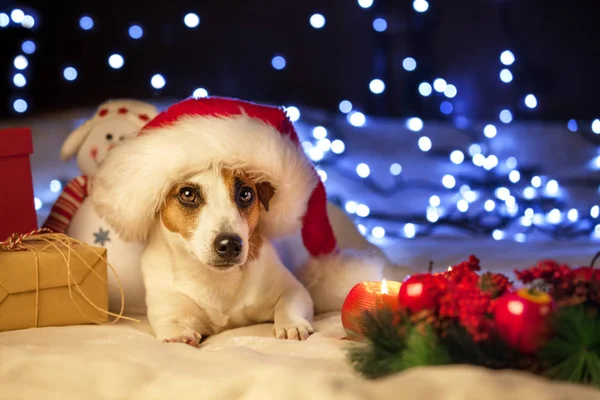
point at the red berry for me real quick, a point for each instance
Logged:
(587, 273)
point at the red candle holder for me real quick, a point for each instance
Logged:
(367, 296)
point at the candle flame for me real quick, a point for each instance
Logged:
(384, 288)
(449, 269)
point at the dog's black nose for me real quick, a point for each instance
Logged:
(228, 246)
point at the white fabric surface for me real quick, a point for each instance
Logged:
(124, 361)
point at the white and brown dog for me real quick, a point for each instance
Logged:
(222, 192)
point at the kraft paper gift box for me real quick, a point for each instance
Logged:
(17, 208)
(55, 307)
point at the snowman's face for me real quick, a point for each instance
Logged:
(103, 137)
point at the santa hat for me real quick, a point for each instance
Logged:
(194, 135)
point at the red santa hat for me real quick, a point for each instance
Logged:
(197, 134)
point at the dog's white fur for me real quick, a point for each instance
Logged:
(185, 296)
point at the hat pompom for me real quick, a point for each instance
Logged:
(329, 278)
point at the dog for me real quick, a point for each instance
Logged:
(207, 268)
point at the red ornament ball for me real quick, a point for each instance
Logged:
(522, 319)
(420, 292)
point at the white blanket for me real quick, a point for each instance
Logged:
(124, 361)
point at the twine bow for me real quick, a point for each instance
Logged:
(22, 242)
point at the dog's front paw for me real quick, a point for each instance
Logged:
(298, 329)
(191, 338)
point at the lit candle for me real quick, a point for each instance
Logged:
(368, 296)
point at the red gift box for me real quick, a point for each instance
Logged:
(17, 207)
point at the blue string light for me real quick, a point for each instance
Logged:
(356, 118)
(365, 3)
(377, 86)
(317, 21)
(395, 169)
(450, 91)
(531, 101)
(414, 124)
(293, 113)
(425, 89)
(20, 62)
(345, 106)
(420, 6)
(490, 131)
(158, 81)
(86, 23)
(116, 61)
(278, 62)
(506, 76)
(596, 126)
(199, 93)
(70, 73)
(4, 20)
(446, 107)
(507, 57)
(135, 31)
(20, 105)
(28, 47)
(19, 80)
(409, 64)
(439, 85)
(505, 116)
(457, 157)
(191, 20)
(380, 24)
(17, 15)
(424, 143)
(28, 22)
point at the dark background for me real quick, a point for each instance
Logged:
(555, 43)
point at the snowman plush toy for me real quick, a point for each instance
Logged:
(73, 213)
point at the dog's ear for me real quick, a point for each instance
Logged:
(265, 193)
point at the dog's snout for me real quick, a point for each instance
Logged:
(228, 247)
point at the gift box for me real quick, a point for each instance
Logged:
(17, 208)
(44, 285)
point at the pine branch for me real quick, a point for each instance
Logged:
(491, 353)
(423, 348)
(381, 355)
(394, 346)
(573, 354)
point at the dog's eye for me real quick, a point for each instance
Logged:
(109, 136)
(246, 196)
(187, 195)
